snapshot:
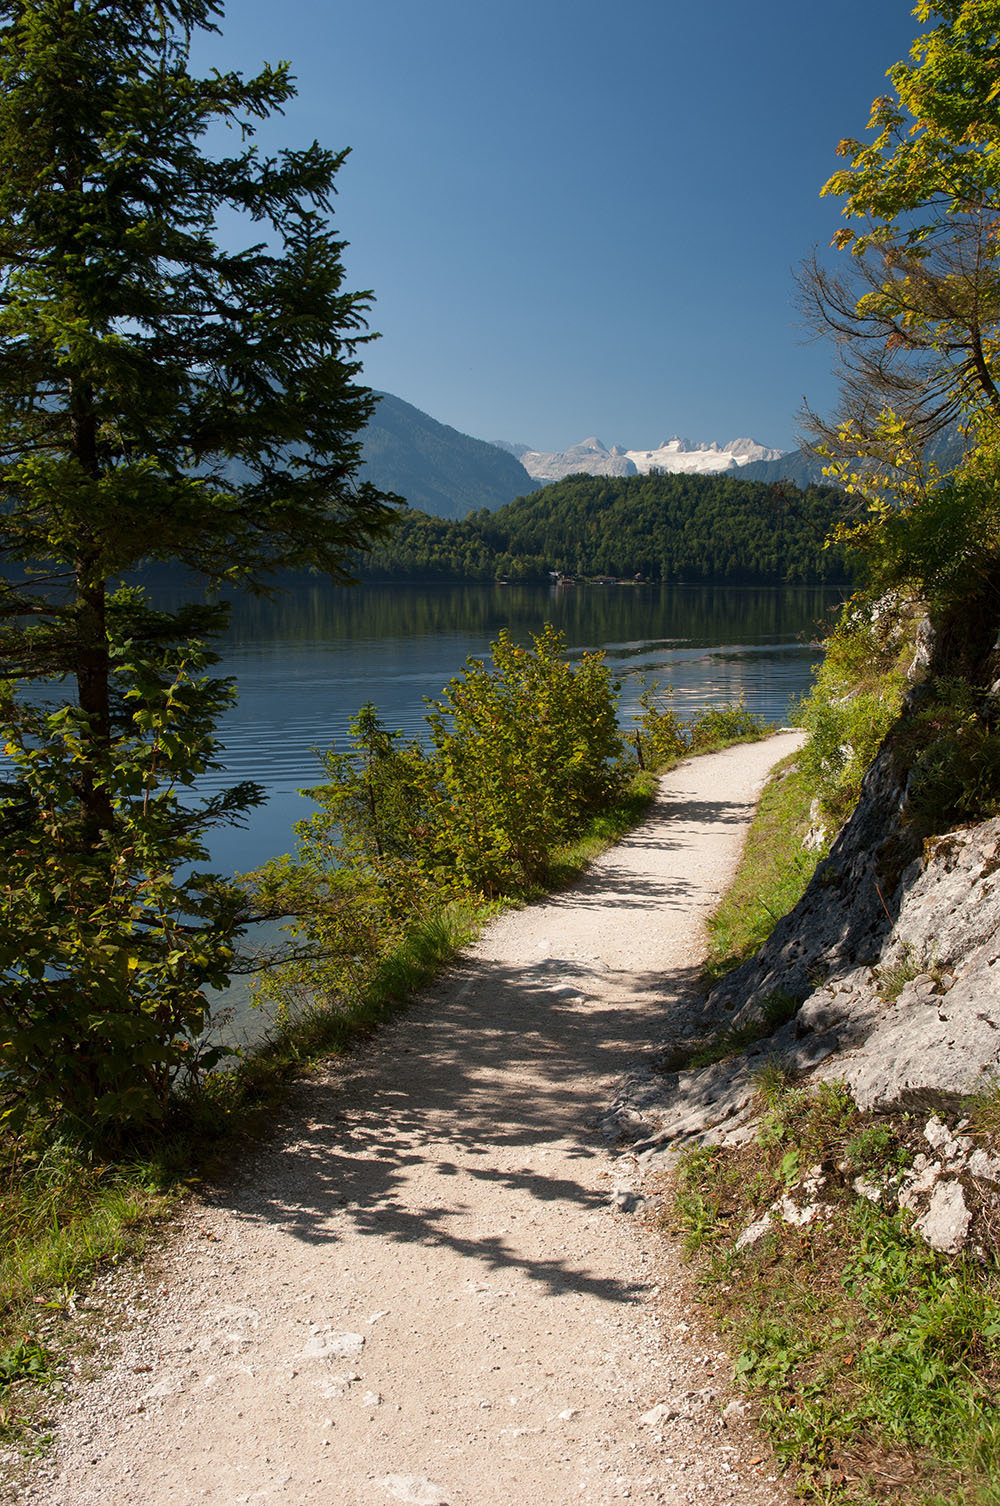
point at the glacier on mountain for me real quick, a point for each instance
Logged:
(704, 459)
(592, 458)
(589, 458)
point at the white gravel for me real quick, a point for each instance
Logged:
(423, 1288)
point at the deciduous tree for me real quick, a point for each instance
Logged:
(917, 313)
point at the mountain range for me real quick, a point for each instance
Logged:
(436, 468)
(448, 474)
(675, 456)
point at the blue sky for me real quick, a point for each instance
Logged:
(580, 217)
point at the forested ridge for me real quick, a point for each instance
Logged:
(661, 527)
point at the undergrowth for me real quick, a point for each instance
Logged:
(874, 1362)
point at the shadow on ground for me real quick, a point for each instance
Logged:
(496, 1060)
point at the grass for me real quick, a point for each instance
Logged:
(773, 872)
(874, 1363)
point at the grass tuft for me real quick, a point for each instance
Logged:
(773, 872)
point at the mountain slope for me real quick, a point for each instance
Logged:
(805, 468)
(801, 467)
(436, 468)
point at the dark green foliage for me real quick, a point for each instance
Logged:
(160, 398)
(438, 470)
(660, 527)
(951, 747)
(26, 1360)
(106, 947)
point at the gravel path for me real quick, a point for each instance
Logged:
(424, 1288)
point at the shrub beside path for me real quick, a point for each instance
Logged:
(424, 1287)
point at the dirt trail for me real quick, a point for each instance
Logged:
(424, 1289)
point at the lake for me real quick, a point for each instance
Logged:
(307, 661)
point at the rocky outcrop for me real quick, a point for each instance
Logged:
(950, 1186)
(899, 982)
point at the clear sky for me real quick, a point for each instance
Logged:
(580, 217)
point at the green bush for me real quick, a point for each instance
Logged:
(522, 752)
(716, 726)
(662, 737)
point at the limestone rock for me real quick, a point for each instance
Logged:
(945, 1225)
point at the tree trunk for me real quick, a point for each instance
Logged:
(93, 664)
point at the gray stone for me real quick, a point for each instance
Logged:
(791, 1212)
(919, 1182)
(983, 1166)
(867, 1189)
(754, 1231)
(945, 1225)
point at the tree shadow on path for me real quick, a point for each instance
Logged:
(493, 1073)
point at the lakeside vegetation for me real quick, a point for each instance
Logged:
(875, 1362)
(665, 528)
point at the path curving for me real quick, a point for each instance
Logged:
(424, 1288)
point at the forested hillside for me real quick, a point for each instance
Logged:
(660, 527)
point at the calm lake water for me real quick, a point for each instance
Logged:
(306, 662)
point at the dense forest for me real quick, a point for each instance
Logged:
(669, 528)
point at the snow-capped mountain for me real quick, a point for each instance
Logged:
(681, 455)
(593, 458)
(589, 457)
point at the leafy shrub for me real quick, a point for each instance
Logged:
(521, 752)
(663, 737)
(718, 725)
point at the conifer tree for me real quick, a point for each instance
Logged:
(162, 397)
